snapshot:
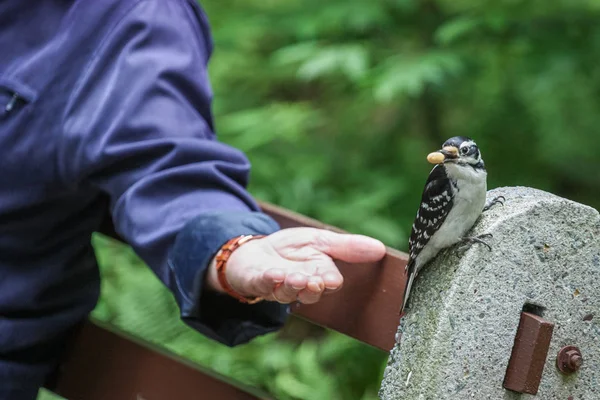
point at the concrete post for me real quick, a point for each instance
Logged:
(458, 336)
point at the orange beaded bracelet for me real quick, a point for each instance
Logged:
(221, 264)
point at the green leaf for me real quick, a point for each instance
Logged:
(456, 29)
(288, 384)
(294, 53)
(408, 75)
(349, 60)
(246, 129)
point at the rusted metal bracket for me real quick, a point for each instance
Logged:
(529, 353)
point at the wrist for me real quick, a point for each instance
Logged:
(212, 280)
(217, 271)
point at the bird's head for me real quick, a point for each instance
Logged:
(459, 150)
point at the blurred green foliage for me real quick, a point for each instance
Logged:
(337, 103)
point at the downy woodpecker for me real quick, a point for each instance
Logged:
(453, 198)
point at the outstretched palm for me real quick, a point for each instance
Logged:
(297, 263)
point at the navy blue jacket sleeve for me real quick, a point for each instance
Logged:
(138, 127)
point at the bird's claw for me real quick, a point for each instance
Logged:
(495, 200)
(469, 241)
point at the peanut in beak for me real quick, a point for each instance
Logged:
(438, 157)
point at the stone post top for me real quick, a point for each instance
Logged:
(521, 198)
(459, 330)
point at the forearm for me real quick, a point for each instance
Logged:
(138, 128)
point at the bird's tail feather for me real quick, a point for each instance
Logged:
(411, 279)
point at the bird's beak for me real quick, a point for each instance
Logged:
(445, 154)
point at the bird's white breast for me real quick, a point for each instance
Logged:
(468, 204)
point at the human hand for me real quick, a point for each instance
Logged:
(294, 264)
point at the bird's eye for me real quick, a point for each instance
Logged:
(464, 150)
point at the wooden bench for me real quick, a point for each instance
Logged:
(105, 363)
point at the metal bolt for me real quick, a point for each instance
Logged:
(569, 359)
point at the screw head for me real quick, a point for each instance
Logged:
(569, 359)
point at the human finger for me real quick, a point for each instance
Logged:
(264, 283)
(333, 280)
(288, 291)
(314, 290)
(325, 269)
(349, 247)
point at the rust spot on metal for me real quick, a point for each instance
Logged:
(569, 359)
(530, 349)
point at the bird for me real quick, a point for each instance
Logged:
(453, 199)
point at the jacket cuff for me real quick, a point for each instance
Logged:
(213, 314)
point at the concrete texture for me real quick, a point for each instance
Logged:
(457, 337)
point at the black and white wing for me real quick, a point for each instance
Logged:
(436, 203)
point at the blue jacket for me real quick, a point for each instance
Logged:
(105, 107)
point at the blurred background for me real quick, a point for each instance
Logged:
(337, 103)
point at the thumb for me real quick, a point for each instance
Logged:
(349, 247)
